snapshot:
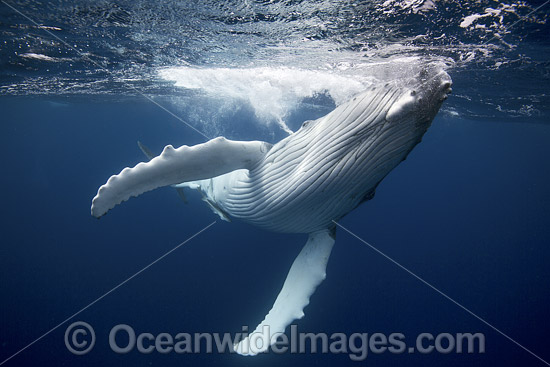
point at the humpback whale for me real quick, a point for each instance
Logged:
(302, 184)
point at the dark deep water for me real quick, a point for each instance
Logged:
(468, 211)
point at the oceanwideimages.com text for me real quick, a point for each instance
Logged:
(80, 339)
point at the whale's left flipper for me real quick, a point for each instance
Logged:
(306, 273)
(174, 166)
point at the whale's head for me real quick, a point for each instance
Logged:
(419, 99)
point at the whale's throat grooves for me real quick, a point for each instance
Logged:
(326, 168)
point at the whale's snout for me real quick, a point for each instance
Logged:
(434, 88)
(437, 86)
(445, 85)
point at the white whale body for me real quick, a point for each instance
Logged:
(302, 184)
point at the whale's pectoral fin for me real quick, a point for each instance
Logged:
(306, 273)
(150, 155)
(213, 158)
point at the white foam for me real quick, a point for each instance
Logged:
(32, 55)
(497, 16)
(271, 92)
(414, 6)
(467, 21)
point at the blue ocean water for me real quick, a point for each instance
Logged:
(468, 211)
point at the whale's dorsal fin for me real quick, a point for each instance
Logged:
(213, 158)
(306, 273)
